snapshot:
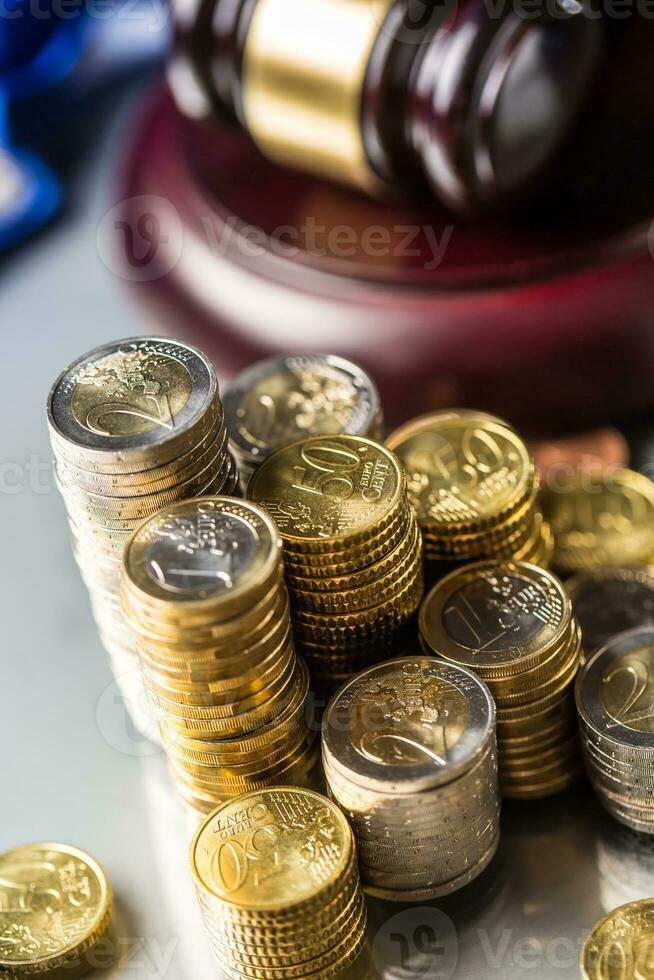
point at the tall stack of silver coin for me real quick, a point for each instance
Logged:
(134, 425)
(410, 756)
(282, 399)
(615, 701)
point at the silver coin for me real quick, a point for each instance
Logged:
(615, 691)
(455, 801)
(611, 601)
(436, 891)
(626, 818)
(147, 481)
(129, 399)
(446, 869)
(279, 400)
(408, 725)
(616, 754)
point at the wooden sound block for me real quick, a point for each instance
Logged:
(547, 319)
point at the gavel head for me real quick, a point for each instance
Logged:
(495, 92)
(474, 96)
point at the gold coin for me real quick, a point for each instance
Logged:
(55, 904)
(330, 493)
(272, 853)
(601, 519)
(307, 579)
(381, 590)
(390, 609)
(358, 556)
(464, 468)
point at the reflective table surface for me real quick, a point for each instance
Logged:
(74, 770)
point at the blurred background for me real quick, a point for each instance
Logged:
(127, 204)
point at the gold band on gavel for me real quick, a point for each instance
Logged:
(304, 67)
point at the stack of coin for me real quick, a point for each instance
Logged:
(615, 701)
(203, 592)
(474, 488)
(620, 945)
(601, 519)
(55, 911)
(409, 754)
(512, 624)
(283, 399)
(609, 601)
(352, 550)
(278, 885)
(134, 425)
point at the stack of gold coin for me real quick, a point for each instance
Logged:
(609, 601)
(615, 701)
(278, 885)
(134, 425)
(55, 910)
(352, 550)
(512, 624)
(204, 594)
(474, 488)
(620, 945)
(409, 754)
(283, 399)
(601, 519)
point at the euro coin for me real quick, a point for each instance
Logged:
(601, 519)
(278, 885)
(135, 426)
(512, 624)
(55, 906)
(409, 754)
(277, 401)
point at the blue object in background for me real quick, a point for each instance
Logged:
(30, 195)
(53, 74)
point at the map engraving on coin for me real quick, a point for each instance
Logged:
(418, 718)
(130, 391)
